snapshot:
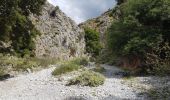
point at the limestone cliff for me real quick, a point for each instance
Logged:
(102, 23)
(60, 36)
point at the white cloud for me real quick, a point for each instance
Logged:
(84, 9)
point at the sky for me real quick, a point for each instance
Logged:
(82, 10)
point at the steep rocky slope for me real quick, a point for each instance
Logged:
(103, 22)
(60, 36)
(100, 24)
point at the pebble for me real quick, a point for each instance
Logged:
(42, 86)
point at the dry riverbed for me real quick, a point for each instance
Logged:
(42, 85)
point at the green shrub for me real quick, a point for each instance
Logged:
(65, 68)
(99, 69)
(88, 78)
(159, 93)
(45, 62)
(26, 65)
(30, 63)
(22, 64)
(161, 70)
(70, 66)
(18, 64)
(15, 25)
(2, 71)
(10, 60)
(80, 61)
(93, 45)
(142, 32)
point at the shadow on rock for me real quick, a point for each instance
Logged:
(5, 77)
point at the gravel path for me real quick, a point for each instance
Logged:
(43, 86)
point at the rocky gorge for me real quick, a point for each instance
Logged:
(100, 24)
(60, 36)
(61, 68)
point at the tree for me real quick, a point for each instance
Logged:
(143, 32)
(15, 25)
(7, 18)
(119, 2)
(31, 6)
(92, 42)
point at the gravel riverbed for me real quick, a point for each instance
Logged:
(42, 85)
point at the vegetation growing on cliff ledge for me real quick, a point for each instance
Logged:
(15, 25)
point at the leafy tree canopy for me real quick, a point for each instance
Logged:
(92, 42)
(15, 25)
(143, 30)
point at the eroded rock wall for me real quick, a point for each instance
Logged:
(60, 36)
(100, 24)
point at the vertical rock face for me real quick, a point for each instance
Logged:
(60, 36)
